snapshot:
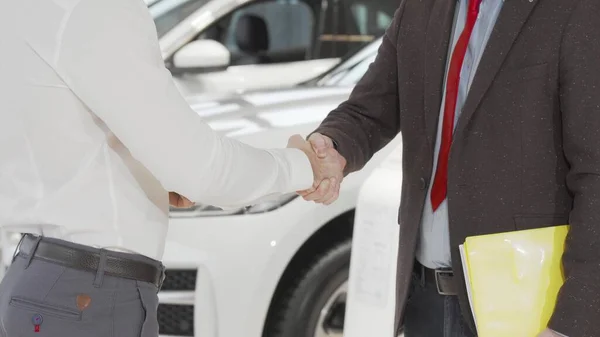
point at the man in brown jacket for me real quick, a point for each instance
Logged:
(498, 104)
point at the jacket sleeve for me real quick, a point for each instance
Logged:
(578, 306)
(370, 118)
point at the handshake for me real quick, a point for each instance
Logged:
(327, 165)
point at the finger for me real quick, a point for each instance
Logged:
(311, 194)
(320, 192)
(330, 192)
(335, 195)
(296, 141)
(314, 194)
(173, 199)
(179, 201)
(333, 192)
(308, 190)
(304, 192)
(319, 144)
(186, 203)
(331, 200)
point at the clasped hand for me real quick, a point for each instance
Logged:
(327, 164)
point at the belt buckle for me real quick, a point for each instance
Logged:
(439, 272)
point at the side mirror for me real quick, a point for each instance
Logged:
(201, 56)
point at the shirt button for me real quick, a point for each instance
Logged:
(423, 183)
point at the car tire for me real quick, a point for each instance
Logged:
(300, 313)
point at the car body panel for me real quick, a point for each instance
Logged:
(247, 255)
(370, 307)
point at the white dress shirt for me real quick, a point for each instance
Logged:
(93, 132)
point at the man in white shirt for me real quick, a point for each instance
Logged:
(93, 133)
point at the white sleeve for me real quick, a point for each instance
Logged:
(109, 57)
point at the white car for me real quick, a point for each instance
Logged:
(231, 45)
(277, 269)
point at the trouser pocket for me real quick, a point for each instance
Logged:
(32, 317)
(149, 299)
(45, 308)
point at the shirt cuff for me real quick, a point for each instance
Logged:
(300, 174)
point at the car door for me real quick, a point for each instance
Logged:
(349, 25)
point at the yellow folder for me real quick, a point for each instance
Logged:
(513, 280)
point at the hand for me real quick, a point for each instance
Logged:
(179, 201)
(328, 167)
(549, 333)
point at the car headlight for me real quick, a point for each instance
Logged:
(209, 211)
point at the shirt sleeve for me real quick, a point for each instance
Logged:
(110, 58)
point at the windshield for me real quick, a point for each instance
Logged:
(168, 13)
(350, 70)
(350, 75)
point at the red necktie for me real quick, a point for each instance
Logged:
(440, 182)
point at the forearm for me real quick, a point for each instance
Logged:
(238, 175)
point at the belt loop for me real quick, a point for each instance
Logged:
(16, 252)
(422, 275)
(163, 275)
(101, 267)
(38, 239)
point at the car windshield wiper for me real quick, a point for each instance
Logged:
(337, 72)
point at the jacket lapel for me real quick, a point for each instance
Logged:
(513, 16)
(437, 41)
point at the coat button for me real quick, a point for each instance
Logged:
(423, 183)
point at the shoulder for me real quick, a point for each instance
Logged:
(100, 8)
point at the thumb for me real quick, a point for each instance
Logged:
(320, 144)
(296, 141)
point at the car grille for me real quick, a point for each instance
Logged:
(176, 320)
(180, 280)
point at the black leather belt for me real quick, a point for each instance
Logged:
(443, 279)
(88, 259)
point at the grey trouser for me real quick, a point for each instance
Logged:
(47, 297)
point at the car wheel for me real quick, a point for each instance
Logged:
(315, 305)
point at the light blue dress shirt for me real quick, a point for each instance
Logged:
(433, 250)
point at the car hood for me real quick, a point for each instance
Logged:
(256, 115)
